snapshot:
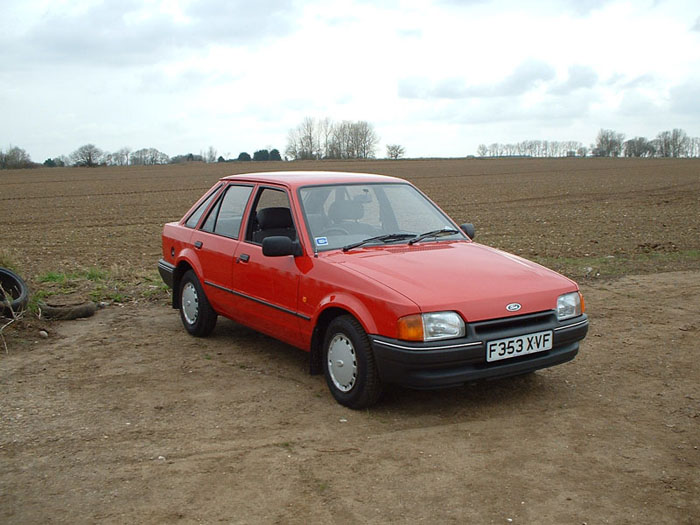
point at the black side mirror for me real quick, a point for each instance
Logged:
(280, 245)
(468, 228)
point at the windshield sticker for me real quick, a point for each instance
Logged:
(321, 241)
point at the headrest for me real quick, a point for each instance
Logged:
(274, 218)
(345, 210)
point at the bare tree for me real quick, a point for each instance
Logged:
(314, 139)
(694, 147)
(679, 143)
(395, 151)
(293, 144)
(608, 143)
(148, 157)
(639, 147)
(88, 155)
(482, 150)
(15, 158)
(309, 139)
(341, 142)
(118, 158)
(211, 155)
(364, 139)
(325, 135)
(303, 141)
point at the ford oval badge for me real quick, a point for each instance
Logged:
(513, 307)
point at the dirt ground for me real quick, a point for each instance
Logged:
(123, 417)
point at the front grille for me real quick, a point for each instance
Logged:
(498, 328)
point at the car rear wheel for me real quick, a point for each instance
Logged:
(349, 365)
(198, 317)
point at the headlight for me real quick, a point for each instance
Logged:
(431, 326)
(569, 305)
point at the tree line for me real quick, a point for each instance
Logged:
(608, 143)
(326, 139)
(90, 155)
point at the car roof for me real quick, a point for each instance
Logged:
(296, 179)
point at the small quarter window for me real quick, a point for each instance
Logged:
(208, 225)
(193, 219)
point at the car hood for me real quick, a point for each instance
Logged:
(467, 277)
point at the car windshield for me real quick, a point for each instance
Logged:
(350, 215)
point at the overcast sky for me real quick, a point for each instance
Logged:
(438, 77)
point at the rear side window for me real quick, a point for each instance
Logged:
(197, 214)
(227, 214)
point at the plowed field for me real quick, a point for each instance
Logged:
(124, 418)
(570, 213)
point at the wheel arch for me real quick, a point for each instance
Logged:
(322, 321)
(182, 267)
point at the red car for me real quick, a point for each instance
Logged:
(371, 278)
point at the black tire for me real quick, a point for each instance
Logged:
(14, 295)
(348, 364)
(65, 313)
(197, 315)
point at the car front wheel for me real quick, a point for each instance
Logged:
(198, 317)
(349, 364)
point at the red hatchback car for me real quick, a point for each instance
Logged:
(371, 278)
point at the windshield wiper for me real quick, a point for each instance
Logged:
(435, 233)
(383, 238)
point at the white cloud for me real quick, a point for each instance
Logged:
(579, 77)
(134, 32)
(523, 78)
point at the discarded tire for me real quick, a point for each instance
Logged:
(14, 294)
(74, 311)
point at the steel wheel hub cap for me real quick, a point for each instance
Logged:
(190, 303)
(342, 363)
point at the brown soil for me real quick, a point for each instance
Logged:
(123, 417)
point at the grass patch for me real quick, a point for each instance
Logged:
(6, 261)
(37, 297)
(117, 284)
(95, 274)
(53, 277)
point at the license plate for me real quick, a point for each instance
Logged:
(517, 346)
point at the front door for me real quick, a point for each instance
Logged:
(268, 286)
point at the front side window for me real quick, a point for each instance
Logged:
(271, 216)
(343, 214)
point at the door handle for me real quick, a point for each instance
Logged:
(198, 244)
(244, 257)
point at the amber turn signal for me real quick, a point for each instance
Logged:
(411, 328)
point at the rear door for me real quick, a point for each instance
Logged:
(217, 241)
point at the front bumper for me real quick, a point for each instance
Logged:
(453, 362)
